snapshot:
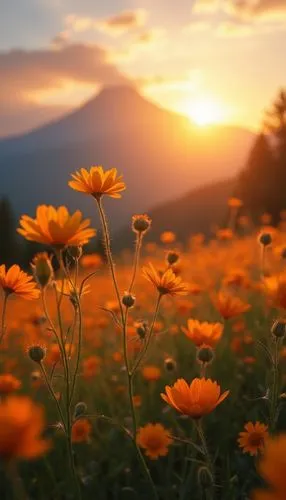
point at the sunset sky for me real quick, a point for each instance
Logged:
(214, 60)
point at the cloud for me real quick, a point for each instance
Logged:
(233, 29)
(118, 24)
(25, 74)
(265, 10)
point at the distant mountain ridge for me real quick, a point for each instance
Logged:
(160, 154)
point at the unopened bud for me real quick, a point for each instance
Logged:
(172, 257)
(205, 478)
(80, 409)
(278, 329)
(42, 269)
(36, 353)
(205, 355)
(265, 239)
(141, 223)
(170, 364)
(75, 252)
(128, 300)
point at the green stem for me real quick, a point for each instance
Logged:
(52, 393)
(275, 387)
(16, 482)
(109, 254)
(3, 319)
(209, 463)
(136, 260)
(147, 343)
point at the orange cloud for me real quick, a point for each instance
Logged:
(25, 74)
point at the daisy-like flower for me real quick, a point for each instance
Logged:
(16, 281)
(252, 440)
(81, 430)
(166, 282)
(21, 426)
(56, 227)
(66, 288)
(199, 398)
(98, 182)
(154, 439)
(230, 306)
(203, 332)
(272, 468)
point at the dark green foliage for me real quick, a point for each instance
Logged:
(8, 243)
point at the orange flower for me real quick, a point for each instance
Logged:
(91, 366)
(272, 468)
(21, 426)
(14, 280)
(276, 289)
(137, 400)
(224, 234)
(195, 400)
(203, 333)
(151, 373)
(234, 203)
(166, 282)
(9, 383)
(252, 440)
(97, 182)
(230, 306)
(92, 260)
(81, 430)
(56, 227)
(54, 353)
(155, 440)
(168, 237)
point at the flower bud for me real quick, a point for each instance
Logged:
(205, 354)
(283, 253)
(172, 257)
(75, 252)
(205, 478)
(265, 239)
(128, 300)
(278, 329)
(80, 409)
(141, 223)
(36, 353)
(142, 329)
(170, 364)
(42, 269)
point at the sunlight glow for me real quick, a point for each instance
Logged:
(205, 111)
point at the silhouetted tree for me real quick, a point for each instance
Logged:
(256, 181)
(8, 237)
(261, 185)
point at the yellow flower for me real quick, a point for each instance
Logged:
(252, 440)
(97, 182)
(272, 468)
(199, 398)
(14, 280)
(166, 282)
(56, 227)
(155, 440)
(203, 332)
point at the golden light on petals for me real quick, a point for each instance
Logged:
(16, 281)
(197, 399)
(154, 439)
(56, 227)
(166, 282)
(98, 182)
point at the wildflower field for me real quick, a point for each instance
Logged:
(157, 374)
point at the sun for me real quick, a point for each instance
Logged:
(205, 111)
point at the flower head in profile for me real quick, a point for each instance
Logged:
(98, 182)
(56, 227)
(272, 468)
(197, 399)
(252, 439)
(154, 439)
(16, 281)
(167, 283)
(21, 427)
(230, 306)
(234, 202)
(203, 332)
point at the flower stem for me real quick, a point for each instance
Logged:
(136, 260)
(3, 318)
(52, 393)
(209, 464)
(275, 387)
